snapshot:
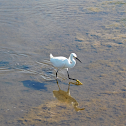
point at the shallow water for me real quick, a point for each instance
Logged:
(31, 30)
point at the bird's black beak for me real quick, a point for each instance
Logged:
(78, 59)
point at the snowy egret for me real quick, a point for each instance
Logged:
(61, 62)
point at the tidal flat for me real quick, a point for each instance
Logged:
(31, 30)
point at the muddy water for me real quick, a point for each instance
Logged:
(31, 30)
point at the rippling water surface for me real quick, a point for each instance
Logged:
(32, 29)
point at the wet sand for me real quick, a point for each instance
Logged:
(30, 31)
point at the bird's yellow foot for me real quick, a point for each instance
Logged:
(76, 83)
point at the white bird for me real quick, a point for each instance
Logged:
(61, 62)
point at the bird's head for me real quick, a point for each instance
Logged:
(75, 56)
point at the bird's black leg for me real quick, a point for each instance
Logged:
(56, 76)
(69, 77)
(56, 73)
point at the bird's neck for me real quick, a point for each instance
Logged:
(72, 62)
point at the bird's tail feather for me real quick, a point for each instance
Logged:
(51, 56)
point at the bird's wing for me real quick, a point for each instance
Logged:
(58, 62)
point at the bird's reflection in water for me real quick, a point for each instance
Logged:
(64, 96)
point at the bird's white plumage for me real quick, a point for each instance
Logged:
(61, 62)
